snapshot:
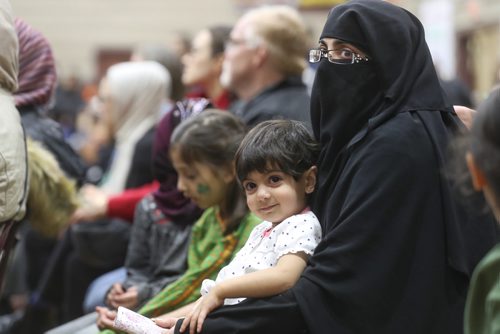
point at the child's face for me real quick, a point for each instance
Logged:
(275, 196)
(204, 185)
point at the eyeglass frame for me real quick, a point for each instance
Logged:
(355, 58)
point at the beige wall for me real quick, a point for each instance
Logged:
(78, 28)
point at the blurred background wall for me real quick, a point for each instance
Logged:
(89, 35)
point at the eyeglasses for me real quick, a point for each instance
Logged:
(339, 56)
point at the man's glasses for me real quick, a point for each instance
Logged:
(339, 56)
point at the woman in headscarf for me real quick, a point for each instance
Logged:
(37, 81)
(397, 249)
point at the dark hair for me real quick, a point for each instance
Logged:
(484, 141)
(212, 138)
(220, 35)
(284, 144)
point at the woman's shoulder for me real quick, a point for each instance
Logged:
(402, 138)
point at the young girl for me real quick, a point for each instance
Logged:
(483, 160)
(275, 164)
(202, 151)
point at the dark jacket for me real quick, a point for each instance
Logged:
(49, 133)
(287, 99)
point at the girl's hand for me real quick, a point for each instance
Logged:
(128, 298)
(116, 290)
(204, 305)
(105, 318)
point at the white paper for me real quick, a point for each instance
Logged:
(134, 323)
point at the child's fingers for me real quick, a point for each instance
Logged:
(185, 323)
(201, 319)
(192, 324)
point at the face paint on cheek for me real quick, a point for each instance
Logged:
(203, 189)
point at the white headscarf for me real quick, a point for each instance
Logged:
(137, 91)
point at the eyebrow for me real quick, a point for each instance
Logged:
(337, 43)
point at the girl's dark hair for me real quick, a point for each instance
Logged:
(485, 140)
(220, 35)
(212, 138)
(283, 144)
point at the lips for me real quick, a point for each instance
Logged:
(268, 208)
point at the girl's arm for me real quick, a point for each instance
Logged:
(262, 283)
(180, 312)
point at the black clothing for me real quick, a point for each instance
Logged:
(49, 133)
(287, 99)
(397, 250)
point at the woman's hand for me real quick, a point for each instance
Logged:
(94, 204)
(203, 306)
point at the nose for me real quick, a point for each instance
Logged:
(180, 185)
(263, 193)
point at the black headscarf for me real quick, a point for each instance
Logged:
(349, 101)
(399, 76)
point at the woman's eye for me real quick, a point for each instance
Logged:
(346, 53)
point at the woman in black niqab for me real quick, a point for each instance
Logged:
(397, 249)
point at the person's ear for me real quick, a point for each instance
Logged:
(260, 56)
(310, 179)
(229, 173)
(478, 179)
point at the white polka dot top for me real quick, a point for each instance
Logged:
(265, 245)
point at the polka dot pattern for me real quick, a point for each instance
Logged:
(299, 233)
